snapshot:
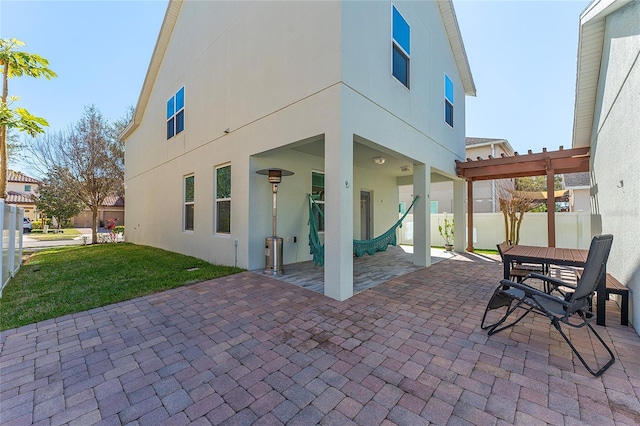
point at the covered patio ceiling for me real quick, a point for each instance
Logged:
(547, 163)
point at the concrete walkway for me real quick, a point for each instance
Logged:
(249, 349)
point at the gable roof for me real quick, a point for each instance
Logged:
(590, 45)
(447, 13)
(478, 142)
(19, 177)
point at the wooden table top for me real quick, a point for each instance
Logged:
(549, 254)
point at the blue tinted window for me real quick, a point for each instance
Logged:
(180, 99)
(400, 66)
(170, 109)
(401, 31)
(448, 113)
(179, 122)
(448, 88)
(175, 114)
(448, 100)
(170, 132)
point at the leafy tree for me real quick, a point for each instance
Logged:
(118, 148)
(537, 183)
(513, 206)
(55, 198)
(90, 154)
(15, 63)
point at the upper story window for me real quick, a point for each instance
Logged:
(401, 47)
(448, 100)
(27, 188)
(175, 114)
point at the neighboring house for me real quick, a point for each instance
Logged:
(111, 208)
(579, 191)
(20, 188)
(606, 119)
(485, 193)
(355, 98)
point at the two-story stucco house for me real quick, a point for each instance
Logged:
(355, 98)
(20, 189)
(607, 119)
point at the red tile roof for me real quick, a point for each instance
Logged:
(14, 197)
(113, 201)
(13, 176)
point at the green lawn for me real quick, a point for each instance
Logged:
(66, 234)
(66, 280)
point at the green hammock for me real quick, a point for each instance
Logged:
(360, 247)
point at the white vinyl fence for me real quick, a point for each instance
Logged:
(11, 220)
(573, 229)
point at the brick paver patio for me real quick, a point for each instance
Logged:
(248, 349)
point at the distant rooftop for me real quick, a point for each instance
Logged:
(113, 201)
(506, 146)
(14, 197)
(573, 180)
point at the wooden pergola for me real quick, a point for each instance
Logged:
(547, 163)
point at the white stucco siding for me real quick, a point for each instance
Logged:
(278, 54)
(374, 123)
(367, 68)
(615, 154)
(620, 52)
(154, 197)
(238, 64)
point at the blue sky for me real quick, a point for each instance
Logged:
(522, 56)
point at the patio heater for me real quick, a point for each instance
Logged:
(273, 244)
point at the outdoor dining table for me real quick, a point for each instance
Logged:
(556, 256)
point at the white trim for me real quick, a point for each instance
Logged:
(401, 49)
(452, 101)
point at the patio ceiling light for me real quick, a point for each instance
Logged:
(379, 160)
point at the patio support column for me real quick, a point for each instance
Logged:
(422, 215)
(338, 243)
(551, 209)
(470, 216)
(458, 215)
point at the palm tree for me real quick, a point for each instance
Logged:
(16, 63)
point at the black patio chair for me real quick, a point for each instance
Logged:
(557, 304)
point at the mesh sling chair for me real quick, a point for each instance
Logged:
(557, 303)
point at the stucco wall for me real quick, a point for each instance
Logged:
(615, 154)
(276, 75)
(572, 230)
(366, 59)
(580, 200)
